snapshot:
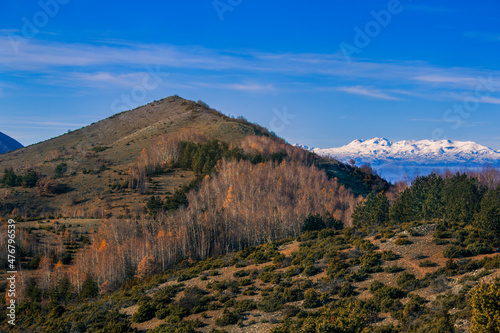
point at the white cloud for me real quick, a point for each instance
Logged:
(490, 100)
(370, 92)
(123, 64)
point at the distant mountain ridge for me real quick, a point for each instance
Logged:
(420, 152)
(394, 159)
(8, 144)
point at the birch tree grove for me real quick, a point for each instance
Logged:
(241, 204)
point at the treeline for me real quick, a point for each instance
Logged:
(456, 201)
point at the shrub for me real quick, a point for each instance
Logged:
(407, 281)
(241, 273)
(244, 282)
(325, 233)
(271, 303)
(415, 233)
(162, 313)
(402, 241)
(292, 271)
(438, 241)
(370, 259)
(364, 245)
(244, 306)
(268, 277)
(442, 234)
(177, 310)
(260, 257)
(455, 251)
(347, 290)
(386, 298)
(389, 256)
(278, 259)
(193, 299)
(311, 299)
(290, 311)
(311, 270)
(60, 170)
(228, 318)
(393, 269)
(145, 312)
(427, 263)
(478, 248)
(389, 234)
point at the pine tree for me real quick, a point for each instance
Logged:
(9, 178)
(373, 211)
(487, 220)
(90, 288)
(461, 198)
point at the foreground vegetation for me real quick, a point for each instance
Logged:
(322, 281)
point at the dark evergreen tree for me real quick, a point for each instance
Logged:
(487, 219)
(313, 222)
(10, 178)
(422, 201)
(402, 210)
(373, 211)
(90, 288)
(153, 205)
(461, 198)
(30, 179)
(60, 170)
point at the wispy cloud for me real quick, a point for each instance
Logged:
(436, 78)
(461, 97)
(122, 64)
(370, 92)
(244, 86)
(490, 100)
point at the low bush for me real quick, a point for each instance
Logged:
(455, 251)
(427, 263)
(311, 299)
(393, 269)
(227, 318)
(407, 281)
(402, 241)
(389, 256)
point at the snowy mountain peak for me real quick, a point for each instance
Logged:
(410, 153)
(424, 151)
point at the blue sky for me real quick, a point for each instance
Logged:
(320, 74)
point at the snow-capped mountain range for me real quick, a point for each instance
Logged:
(409, 157)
